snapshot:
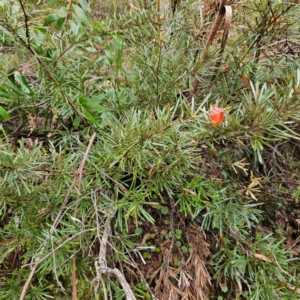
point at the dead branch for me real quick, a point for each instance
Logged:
(101, 264)
(225, 11)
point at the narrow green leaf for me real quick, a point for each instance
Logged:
(260, 146)
(4, 93)
(14, 87)
(6, 37)
(88, 115)
(21, 80)
(3, 114)
(109, 56)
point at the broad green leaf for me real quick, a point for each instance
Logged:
(6, 37)
(88, 115)
(59, 23)
(38, 49)
(118, 42)
(108, 56)
(62, 12)
(85, 6)
(51, 19)
(91, 49)
(80, 14)
(104, 60)
(38, 37)
(74, 27)
(21, 80)
(93, 104)
(3, 114)
(14, 87)
(76, 122)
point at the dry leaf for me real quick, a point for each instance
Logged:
(241, 165)
(291, 287)
(188, 191)
(32, 123)
(261, 257)
(245, 81)
(132, 6)
(159, 20)
(252, 186)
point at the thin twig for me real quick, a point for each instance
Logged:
(27, 106)
(57, 219)
(58, 247)
(55, 268)
(67, 16)
(79, 178)
(121, 186)
(133, 263)
(26, 23)
(40, 61)
(39, 261)
(80, 170)
(74, 280)
(26, 285)
(225, 10)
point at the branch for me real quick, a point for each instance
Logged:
(26, 23)
(26, 285)
(57, 219)
(35, 265)
(101, 263)
(79, 173)
(101, 266)
(225, 10)
(80, 169)
(32, 51)
(79, 177)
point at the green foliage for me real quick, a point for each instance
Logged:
(262, 273)
(98, 134)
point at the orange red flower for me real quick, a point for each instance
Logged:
(217, 115)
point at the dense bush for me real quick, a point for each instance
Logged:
(114, 181)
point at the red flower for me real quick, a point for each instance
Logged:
(217, 115)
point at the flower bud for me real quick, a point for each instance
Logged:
(217, 115)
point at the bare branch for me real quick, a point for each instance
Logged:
(101, 263)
